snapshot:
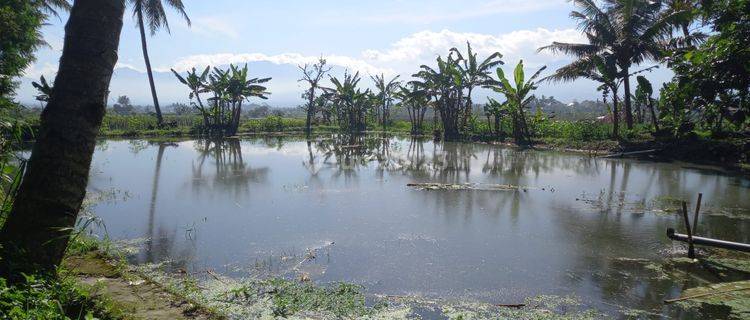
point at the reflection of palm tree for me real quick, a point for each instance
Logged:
(154, 191)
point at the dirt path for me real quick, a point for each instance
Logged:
(134, 296)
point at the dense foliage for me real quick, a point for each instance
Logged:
(712, 81)
(228, 89)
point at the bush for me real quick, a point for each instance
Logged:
(40, 298)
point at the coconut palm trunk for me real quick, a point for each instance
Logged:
(628, 106)
(36, 233)
(615, 115)
(147, 60)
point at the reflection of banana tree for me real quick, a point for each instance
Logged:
(231, 172)
(154, 192)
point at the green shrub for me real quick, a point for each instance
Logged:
(40, 298)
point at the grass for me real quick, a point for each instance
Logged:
(47, 298)
(57, 296)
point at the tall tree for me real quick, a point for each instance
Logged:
(152, 12)
(601, 68)
(643, 92)
(633, 31)
(518, 94)
(312, 74)
(386, 90)
(38, 227)
(475, 73)
(445, 85)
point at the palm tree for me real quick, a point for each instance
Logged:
(601, 68)
(475, 74)
(37, 230)
(632, 31)
(152, 11)
(518, 97)
(386, 89)
(51, 6)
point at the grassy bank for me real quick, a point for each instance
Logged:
(582, 135)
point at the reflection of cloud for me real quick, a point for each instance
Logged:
(465, 11)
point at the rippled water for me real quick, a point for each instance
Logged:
(268, 206)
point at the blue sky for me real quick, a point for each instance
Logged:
(389, 36)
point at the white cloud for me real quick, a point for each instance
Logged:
(211, 26)
(34, 71)
(203, 60)
(405, 55)
(426, 45)
(465, 10)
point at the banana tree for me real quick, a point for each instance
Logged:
(197, 85)
(351, 103)
(445, 85)
(386, 90)
(416, 102)
(44, 88)
(518, 97)
(643, 93)
(240, 88)
(496, 110)
(475, 74)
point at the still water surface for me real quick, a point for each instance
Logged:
(260, 206)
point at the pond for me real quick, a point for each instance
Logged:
(339, 208)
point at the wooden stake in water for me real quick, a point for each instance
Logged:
(691, 250)
(697, 212)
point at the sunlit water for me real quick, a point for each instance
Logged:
(267, 206)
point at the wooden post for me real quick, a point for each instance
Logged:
(691, 250)
(697, 212)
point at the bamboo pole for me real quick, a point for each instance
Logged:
(704, 295)
(691, 249)
(697, 212)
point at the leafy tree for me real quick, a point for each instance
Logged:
(518, 95)
(631, 31)
(475, 73)
(416, 102)
(44, 88)
(197, 85)
(230, 89)
(385, 96)
(20, 21)
(643, 94)
(152, 13)
(123, 106)
(350, 102)
(445, 86)
(495, 110)
(711, 86)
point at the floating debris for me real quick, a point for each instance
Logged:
(728, 300)
(469, 186)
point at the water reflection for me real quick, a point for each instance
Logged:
(575, 226)
(229, 172)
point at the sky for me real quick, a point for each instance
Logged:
(393, 37)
